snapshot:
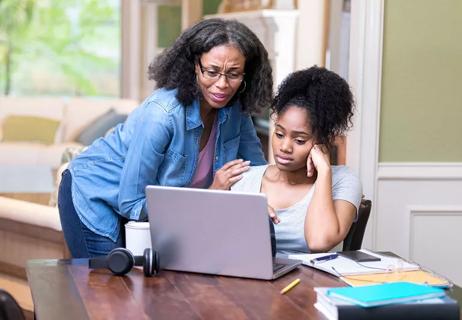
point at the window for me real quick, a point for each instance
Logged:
(60, 47)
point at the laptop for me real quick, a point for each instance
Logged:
(213, 231)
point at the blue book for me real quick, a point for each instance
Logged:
(387, 293)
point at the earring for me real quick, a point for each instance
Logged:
(243, 89)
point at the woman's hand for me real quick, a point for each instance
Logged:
(273, 215)
(318, 159)
(229, 174)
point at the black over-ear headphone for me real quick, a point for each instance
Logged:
(120, 261)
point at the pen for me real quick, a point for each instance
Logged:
(324, 258)
(290, 286)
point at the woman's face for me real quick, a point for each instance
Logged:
(292, 139)
(220, 73)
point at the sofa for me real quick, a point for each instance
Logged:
(34, 132)
(27, 228)
(31, 159)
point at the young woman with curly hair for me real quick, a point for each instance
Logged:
(311, 203)
(195, 130)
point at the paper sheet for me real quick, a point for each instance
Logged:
(342, 266)
(416, 276)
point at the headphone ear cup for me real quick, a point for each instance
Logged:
(120, 261)
(156, 262)
(147, 262)
(151, 262)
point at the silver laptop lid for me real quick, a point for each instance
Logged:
(210, 231)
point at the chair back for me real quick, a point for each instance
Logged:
(9, 308)
(355, 236)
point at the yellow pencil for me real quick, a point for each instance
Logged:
(290, 286)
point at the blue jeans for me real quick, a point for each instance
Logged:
(82, 242)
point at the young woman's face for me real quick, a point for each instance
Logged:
(292, 139)
(220, 73)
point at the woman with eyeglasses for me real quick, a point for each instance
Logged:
(194, 130)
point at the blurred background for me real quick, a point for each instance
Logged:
(70, 70)
(51, 47)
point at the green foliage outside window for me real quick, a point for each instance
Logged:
(60, 47)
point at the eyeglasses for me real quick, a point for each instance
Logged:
(231, 77)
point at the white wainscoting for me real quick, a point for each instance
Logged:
(418, 214)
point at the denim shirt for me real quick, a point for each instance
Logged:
(157, 145)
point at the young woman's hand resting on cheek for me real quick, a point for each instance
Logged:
(318, 159)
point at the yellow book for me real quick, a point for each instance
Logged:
(415, 276)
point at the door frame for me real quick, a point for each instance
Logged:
(365, 75)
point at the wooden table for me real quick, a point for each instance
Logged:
(67, 289)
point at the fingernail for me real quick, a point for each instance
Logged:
(247, 162)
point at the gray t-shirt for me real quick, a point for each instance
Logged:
(290, 234)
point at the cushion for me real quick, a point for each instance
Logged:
(100, 126)
(82, 111)
(31, 154)
(29, 129)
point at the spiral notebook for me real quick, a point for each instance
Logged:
(341, 266)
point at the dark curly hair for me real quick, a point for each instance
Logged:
(326, 97)
(174, 67)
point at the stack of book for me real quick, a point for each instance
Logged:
(398, 300)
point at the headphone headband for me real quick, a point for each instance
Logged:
(120, 261)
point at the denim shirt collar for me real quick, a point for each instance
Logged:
(193, 115)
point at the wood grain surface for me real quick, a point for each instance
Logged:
(67, 289)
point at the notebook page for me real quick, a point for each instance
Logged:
(342, 266)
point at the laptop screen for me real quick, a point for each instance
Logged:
(210, 231)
